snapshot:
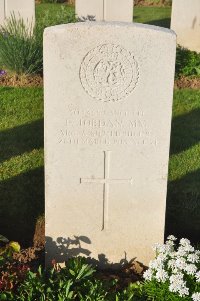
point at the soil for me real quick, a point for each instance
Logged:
(21, 81)
(187, 82)
(152, 3)
(37, 81)
(136, 3)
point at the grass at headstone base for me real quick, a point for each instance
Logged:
(21, 164)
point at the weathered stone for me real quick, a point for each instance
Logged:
(2, 11)
(105, 10)
(24, 9)
(118, 10)
(92, 9)
(185, 22)
(108, 104)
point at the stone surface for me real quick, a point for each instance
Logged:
(90, 8)
(118, 10)
(108, 104)
(105, 10)
(20, 8)
(185, 22)
(2, 11)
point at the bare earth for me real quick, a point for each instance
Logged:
(37, 81)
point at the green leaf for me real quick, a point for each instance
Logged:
(3, 239)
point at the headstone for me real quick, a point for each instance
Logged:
(24, 9)
(185, 22)
(90, 8)
(105, 10)
(119, 10)
(108, 105)
(2, 11)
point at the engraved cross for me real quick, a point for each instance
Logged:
(106, 181)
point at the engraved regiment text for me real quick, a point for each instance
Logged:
(118, 128)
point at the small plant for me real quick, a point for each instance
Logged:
(21, 46)
(175, 273)
(7, 250)
(20, 51)
(187, 62)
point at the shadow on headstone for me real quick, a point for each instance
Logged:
(88, 18)
(64, 248)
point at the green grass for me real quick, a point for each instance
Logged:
(52, 9)
(183, 203)
(159, 16)
(21, 163)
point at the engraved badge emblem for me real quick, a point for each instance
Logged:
(109, 73)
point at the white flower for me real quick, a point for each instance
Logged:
(162, 275)
(185, 245)
(171, 237)
(184, 242)
(196, 297)
(194, 258)
(155, 264)
(178, 285)
(171, 263)
(148, 275)
(180, 263)
(184, 291)
(191, 269)
(198, 276)
(163, 249)
(181, 252)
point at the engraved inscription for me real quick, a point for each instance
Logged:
(109, 73)
(106, 181)
(90, 127)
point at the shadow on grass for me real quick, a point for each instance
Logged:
(162, 22)
(4, 89)
(22, 201)
(183, 207)
(21, 139)
(185, 131)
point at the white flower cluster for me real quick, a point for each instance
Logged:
(177, 266)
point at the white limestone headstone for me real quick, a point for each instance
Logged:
(24, 9)
(90, 8)
(108, 105)
(118, 10)
(2, 11)
(185, 22)
(105, 10)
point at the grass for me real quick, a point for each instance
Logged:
(159, 16)
(21, 163)
(183, 203)
(52, 9)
